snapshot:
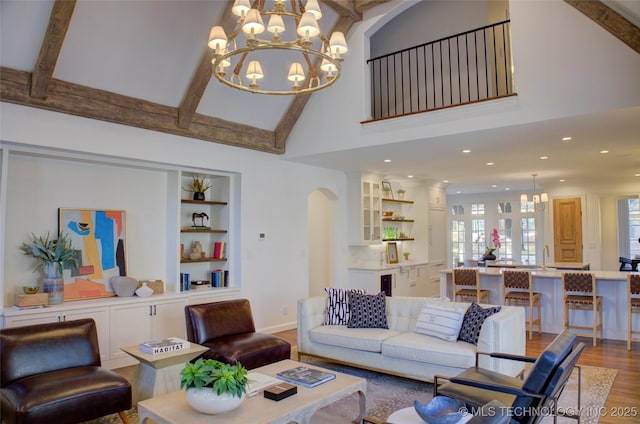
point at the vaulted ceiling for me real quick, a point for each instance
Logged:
(81, 55)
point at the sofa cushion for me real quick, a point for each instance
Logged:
(439, 321)
(368, 339)
(418, 347)
(473, 320)
(338, 305)
(367, 310)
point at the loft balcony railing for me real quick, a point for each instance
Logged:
(464, 68)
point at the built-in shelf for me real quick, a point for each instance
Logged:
(400, 239)
(193, 261)
(397, 220)
(203, 202)
(397, 201)
(196, 230)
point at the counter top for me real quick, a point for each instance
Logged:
(550, 273)
(386, 267)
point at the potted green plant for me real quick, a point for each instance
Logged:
(214, 387)
(51, 255)
(198, 185)
(401, 193)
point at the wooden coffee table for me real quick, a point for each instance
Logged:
(172, 408)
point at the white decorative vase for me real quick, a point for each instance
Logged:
(144, 290)
(207, 401)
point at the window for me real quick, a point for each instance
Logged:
(504, 207)
(505, 230)
(629, 227)
(528, 247)
(478, 234)
(457, 210)
(457, 241)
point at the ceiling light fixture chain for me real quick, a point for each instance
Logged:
(309, 42)
(539, 200)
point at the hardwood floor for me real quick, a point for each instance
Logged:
(625, 392)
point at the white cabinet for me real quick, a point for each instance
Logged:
(413, 280)
(364, 210)
(433, 283)
(137, 322)
(437, 234)
(99, 315)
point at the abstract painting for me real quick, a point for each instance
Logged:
(99, 238)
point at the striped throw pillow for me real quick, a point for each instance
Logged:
(441, 322)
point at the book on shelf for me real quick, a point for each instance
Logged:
(219, 278)
(169, 344)
(218, 250)
(257, 382)
(305, 376)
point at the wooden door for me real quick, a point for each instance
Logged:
(567, 230)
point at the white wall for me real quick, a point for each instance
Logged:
(273, 200)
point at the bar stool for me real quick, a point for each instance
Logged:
(579, 293)
(517, 289)
(468, 277)
(633, 294)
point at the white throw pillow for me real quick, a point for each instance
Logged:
(439, 321)
(338, 305)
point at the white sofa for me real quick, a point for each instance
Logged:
(399, 350)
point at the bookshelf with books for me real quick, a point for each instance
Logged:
(204, 235)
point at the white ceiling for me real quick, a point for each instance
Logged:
(150, 50)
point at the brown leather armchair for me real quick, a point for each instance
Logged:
(51, 373)
(227, 329)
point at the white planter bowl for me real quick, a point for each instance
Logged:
(205, 400)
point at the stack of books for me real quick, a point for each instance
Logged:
(305, 376)
(167, 345)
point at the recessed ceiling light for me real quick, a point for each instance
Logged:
(409, 176)
(507, 188)
(445, 181)
(562, 180)
(544, 157)
(637, 175)
(566, 138)
(387, 160)
(604, 151)
(493, 186)
(466, 151)
(458, 192)
(490, 163)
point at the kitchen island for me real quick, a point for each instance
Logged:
(611, 285)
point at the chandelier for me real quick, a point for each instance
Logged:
(539, 200)
(307, 44)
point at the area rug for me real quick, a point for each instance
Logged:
(386, 394)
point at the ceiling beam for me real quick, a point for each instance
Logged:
(344, 8)
(362, 5)
(51, 45)
(92, 103)
(203, 74)
(610, 20)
